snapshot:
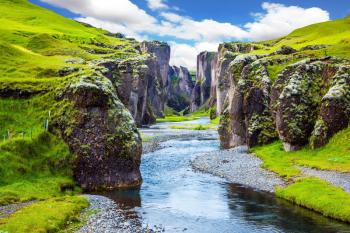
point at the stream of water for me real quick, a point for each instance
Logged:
(180, 199)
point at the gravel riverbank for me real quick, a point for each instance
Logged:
(106, 217)
(7, 210)
(237, 166)
(166, 135)
(339, 179)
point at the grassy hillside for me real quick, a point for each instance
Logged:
(40, 52)
(35, 42)
(332, 37)
(335, 34)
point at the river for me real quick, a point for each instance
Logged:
(176, 198)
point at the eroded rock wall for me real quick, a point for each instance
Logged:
(206, 62)
(140, 83)
(158, 91)
(180, 88)
(307, 103)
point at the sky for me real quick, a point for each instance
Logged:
(193, 26)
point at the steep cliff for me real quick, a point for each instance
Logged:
(139, 81)
(180, 88)
(283, 89)
(77, 83)
(206, 62)
(158, 90)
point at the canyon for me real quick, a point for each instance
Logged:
(86, 110)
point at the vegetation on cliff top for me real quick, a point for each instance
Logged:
(335, 35)
(33, 50)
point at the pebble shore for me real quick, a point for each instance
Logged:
(339, 179)
(237, 166)
(108, 218)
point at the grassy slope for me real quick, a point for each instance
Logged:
(50, 215)
(334, 156)
(335, 34)
(34, 164)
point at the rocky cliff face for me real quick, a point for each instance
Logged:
(206, 62)
(139, 81)
(308, 101)
(158, 91)
(98, 123)
(180, 88)
(227, 52)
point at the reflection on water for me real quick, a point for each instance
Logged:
(180, 199)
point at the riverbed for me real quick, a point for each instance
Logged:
(174, 197)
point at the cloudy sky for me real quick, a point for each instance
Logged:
(192, 26)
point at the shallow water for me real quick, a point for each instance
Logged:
(180, 199)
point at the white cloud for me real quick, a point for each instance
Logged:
(279, 20)
(157, 4)
(124, 16)
(186, 55)
(121, 12)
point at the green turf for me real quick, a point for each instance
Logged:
(333, 156)
(319, 196)
(177, 118)
(335, 33)
(51, 215)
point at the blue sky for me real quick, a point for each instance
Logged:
(191, 26)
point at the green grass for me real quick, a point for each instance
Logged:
(335, 33)
(191, 127)
(312, 193)
(51, 215)
(35, 169)
(34, 164)
(177, 118)
(146, 137)
(333, 156)
(320, 196)
(33, 50)
(35, 44)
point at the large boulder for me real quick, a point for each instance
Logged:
(299, 102)
(101, 133)
(335, 109)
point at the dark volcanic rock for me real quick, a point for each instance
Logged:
(206, 62)
(246, 118)
(227, 52)
(140, 83)
(157, 92)
(180, 88)
(102, 134)
(335, 109)
(299, 102)
(285, 50)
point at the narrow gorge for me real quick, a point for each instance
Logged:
(101, 132)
